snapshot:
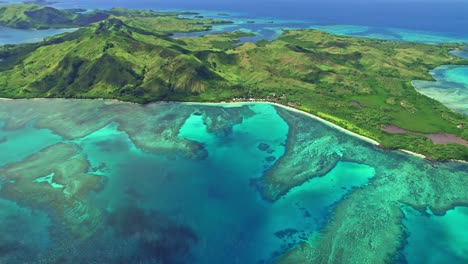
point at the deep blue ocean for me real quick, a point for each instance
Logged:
(432, 21)
(448, 17)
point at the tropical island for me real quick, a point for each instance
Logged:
(363, 85)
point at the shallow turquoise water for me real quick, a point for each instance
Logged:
(162, 204)
(383, 33)
(436, 239)
(451, 87)
(19, 144)
(215, 195)
(271, 29)
(17, 36)
(463, 53)
(24, 230)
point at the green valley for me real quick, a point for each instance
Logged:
(363, 85)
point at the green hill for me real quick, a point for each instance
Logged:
(360, 84)
(32, 16)
(109, 60)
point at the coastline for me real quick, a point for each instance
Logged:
(351, 133)
(241, 103)
(431, 72)
(326, 122)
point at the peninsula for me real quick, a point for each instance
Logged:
(363, 85)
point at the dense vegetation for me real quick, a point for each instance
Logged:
(360, 84)
(32, 16)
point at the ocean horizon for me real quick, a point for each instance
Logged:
(440, 17)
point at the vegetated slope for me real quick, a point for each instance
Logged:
(32, 16)
(108, 60)
(360, 84)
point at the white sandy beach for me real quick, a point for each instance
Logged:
(328, 123)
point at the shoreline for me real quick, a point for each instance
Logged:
(323, 121)
(326, 122)
(351, 133)
(241, 103)
(330, 124)
(439, 83)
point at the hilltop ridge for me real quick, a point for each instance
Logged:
(32, 16)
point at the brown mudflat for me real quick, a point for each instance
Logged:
(395, 130)
(443, 138)
(438, 139)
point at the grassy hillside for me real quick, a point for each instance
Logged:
(360, 84)
(32, 16)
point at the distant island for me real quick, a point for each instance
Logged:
(363, 85)
(40, 2)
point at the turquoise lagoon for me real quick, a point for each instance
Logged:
(105, 181)
(271, 29)
(462, 52)
(17, 36)
(437, 239)
(450, 87)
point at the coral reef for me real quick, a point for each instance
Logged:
(366, 227)
(63, 193)
(304, 158)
